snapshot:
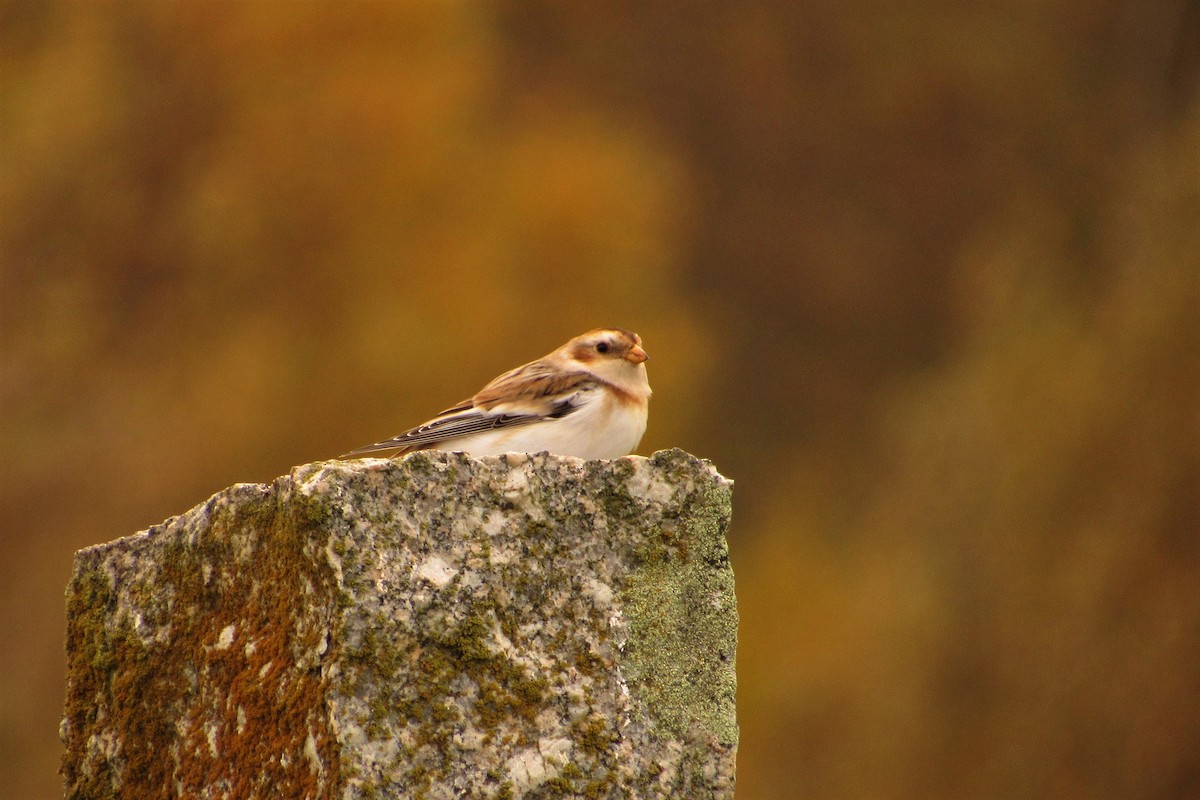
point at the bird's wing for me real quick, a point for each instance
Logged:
(443, 428)
(537, 385)
(521, 396)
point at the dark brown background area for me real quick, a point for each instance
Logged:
(924, 279)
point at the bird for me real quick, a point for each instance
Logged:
(588, 398)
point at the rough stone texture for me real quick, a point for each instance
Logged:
(433, 627)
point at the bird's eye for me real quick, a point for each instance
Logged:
(602, 347)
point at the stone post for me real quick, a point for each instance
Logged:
(436, 627)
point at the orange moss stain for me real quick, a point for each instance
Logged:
(196, 715)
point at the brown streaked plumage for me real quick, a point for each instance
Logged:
(588, 398)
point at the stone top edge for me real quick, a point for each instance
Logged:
(660, 458)
(519, 459)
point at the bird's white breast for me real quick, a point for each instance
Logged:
(602, 427)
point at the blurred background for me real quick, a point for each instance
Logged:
(923, 278)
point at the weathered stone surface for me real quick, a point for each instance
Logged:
(433, 627)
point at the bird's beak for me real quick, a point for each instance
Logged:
(636, 355)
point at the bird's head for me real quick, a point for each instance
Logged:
(612, 354)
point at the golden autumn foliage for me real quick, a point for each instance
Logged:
(923, 280)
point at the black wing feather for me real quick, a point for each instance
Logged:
(464, 424)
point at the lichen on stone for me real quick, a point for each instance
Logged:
(432, 626)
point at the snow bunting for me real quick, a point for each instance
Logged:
(589, 398)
